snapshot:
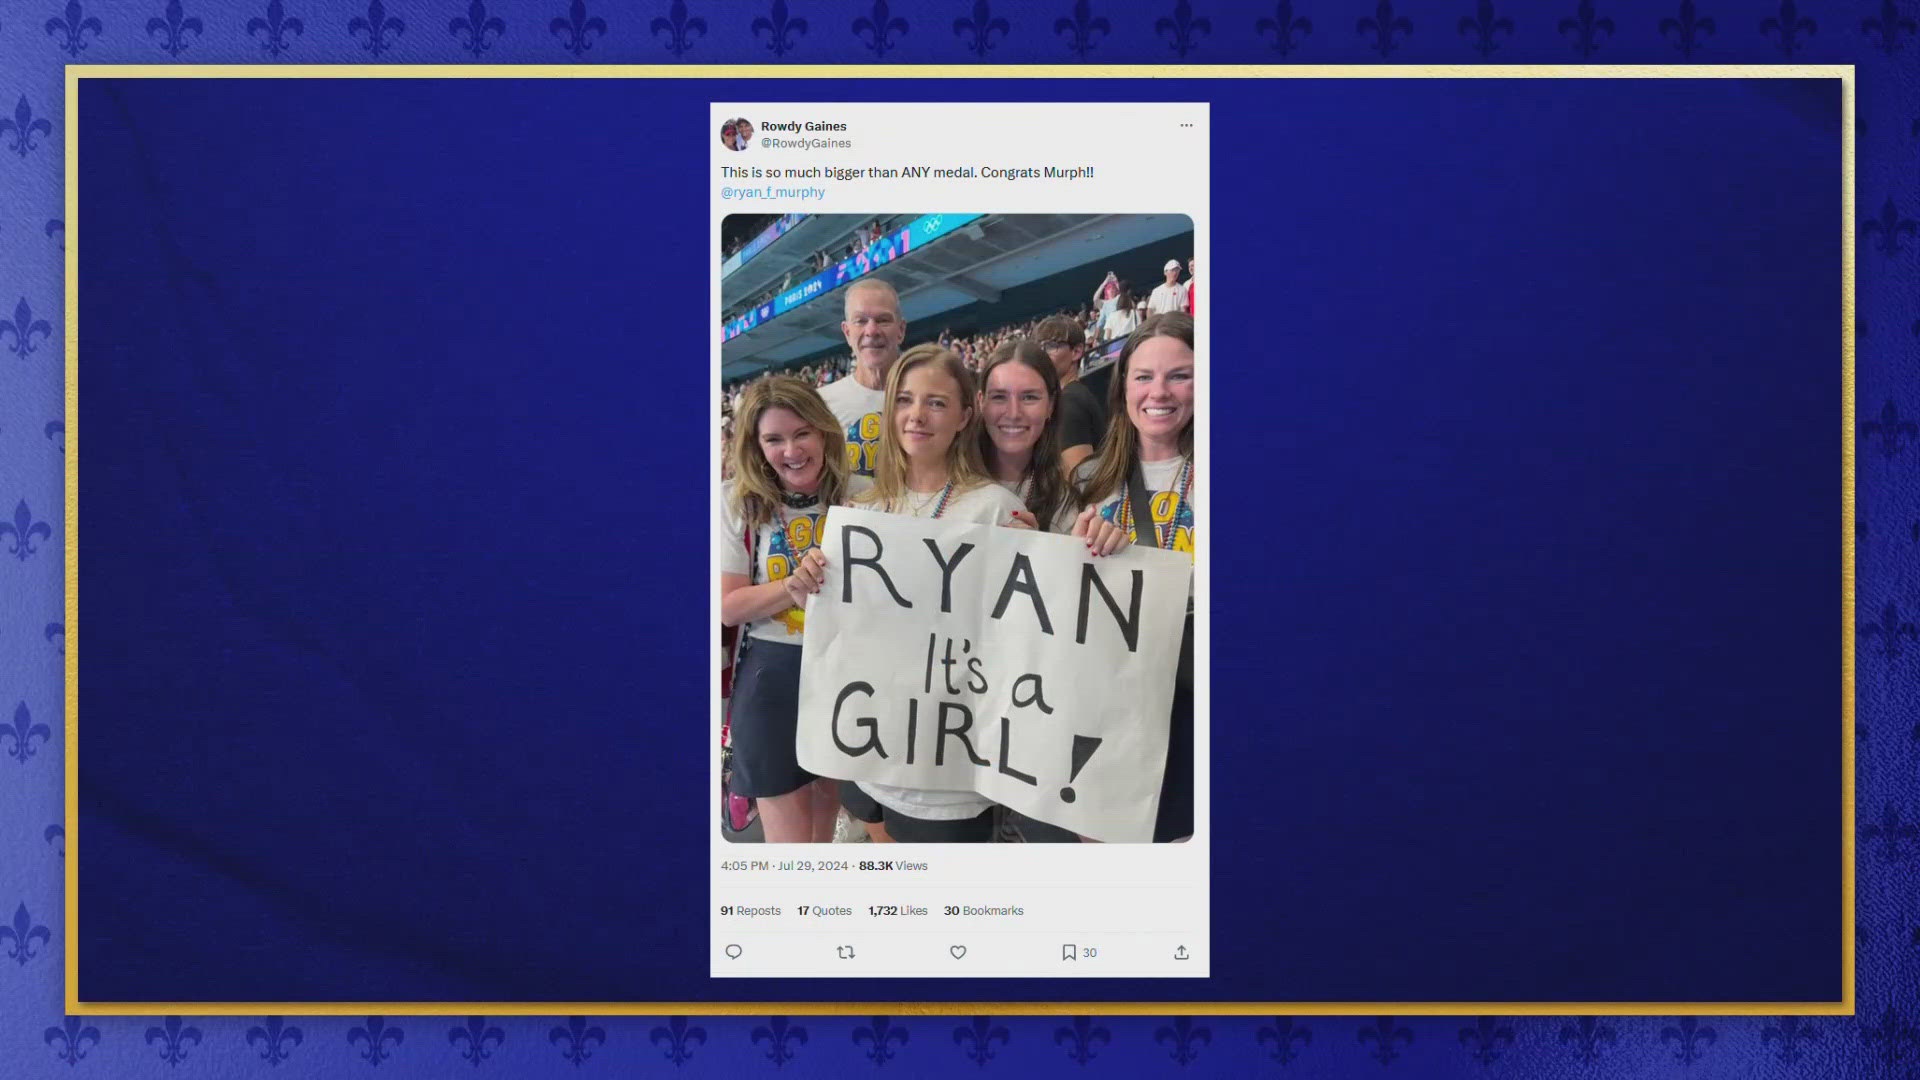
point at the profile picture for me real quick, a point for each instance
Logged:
(876, 687)
(736, 134)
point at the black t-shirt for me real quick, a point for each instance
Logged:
(1083, 418)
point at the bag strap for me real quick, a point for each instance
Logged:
(1141, 506)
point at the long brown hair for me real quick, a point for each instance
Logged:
(1120, 449)
(756, 486)
(964, 470)
(1046, 487)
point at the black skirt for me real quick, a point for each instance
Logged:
(765, 720)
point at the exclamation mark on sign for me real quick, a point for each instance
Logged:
(1083, 748)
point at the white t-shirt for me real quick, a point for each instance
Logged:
(1163, 499)
(777, 549)
(860, 412)
(1167, 298)
(1119, 323)
(988, 504)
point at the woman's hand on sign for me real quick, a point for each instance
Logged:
(1103, 537)
(807, 577)
(1022, 519)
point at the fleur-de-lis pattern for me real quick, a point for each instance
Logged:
(21, 936)
(979, 1037)
(680, 29)
(274, 28)
(1484, 27)
(578, 29)
(374, 28)
(1388, 1037)
(274, 1039)
(72, 1038)
(1878, 35)
(979, 28)
(1183, 30)
(21, 533)
(172, 26)
(879, 28)
(578, 1039)
(477, 30)
(23, 329)
(1788, 27)
(782, 29)
(677, 1039)
(1083, 1038)
(1487, 1039)
(1691, 1036)
(1082, 29)
(476, 1039)
(1886, 229)
(1687, 30)
(1889, 27)
(376, 1038)
(782, 1038)
(1183, 1039)
(72, 27)
(879, 1037)
(174, 1037)
(1284, 30)
(22, 127)
(1384, 27)
(1280, 1036)
(1586, 28)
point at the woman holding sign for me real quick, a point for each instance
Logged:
(1142, 481)
(1020, 445)
(789, 467)
(927, 465)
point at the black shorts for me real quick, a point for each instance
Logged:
(765, 718)
(913, 830)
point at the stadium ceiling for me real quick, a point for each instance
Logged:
(765, 270)
(974, 265)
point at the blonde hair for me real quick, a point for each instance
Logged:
(964, 469)
(1120, 449)
(756, 486)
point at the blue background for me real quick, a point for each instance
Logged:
(1880, 1042)
(1509, 578)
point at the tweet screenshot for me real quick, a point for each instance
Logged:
(960, 711)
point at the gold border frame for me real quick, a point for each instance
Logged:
(76, 72)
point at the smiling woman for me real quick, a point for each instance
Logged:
(790, 467)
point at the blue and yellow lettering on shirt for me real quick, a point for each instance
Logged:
(1167, 509)
(863, 441)
(784, 548)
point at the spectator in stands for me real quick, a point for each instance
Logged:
(1020, 444)
(1149, 448)
(1169, 295)
(928, 466)
(789, 469)
(1123, 317)
(875, 330)
(1082, 417)
(1192, 284)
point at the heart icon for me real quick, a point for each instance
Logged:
(958, 951)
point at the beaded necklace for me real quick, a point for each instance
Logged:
(1184, 485)
(941, 506)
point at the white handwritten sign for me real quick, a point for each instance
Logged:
(961, 657)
